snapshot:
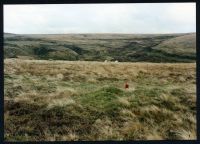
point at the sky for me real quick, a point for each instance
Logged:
(141, 18)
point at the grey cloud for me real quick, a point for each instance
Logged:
(101, 18)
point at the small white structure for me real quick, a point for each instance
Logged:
(60, 76)
(116, 61)
(106, 61)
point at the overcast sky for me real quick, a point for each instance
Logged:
(100, 18)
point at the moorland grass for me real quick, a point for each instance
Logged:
(60, 100)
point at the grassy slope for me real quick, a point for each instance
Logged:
(99, 47)
(175, 45)
(63, 100)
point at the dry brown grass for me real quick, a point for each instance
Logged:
(81, 100)
(86, 70)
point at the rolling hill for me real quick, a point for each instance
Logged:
(100, 47)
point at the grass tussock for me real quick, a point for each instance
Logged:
(57, 100)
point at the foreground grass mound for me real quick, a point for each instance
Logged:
(59, 100)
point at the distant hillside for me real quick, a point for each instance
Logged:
(182, 45)
(100, 47)
(9, 34)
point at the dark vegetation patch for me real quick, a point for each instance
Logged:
(36, 119)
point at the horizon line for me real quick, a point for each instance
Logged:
(94, 33)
